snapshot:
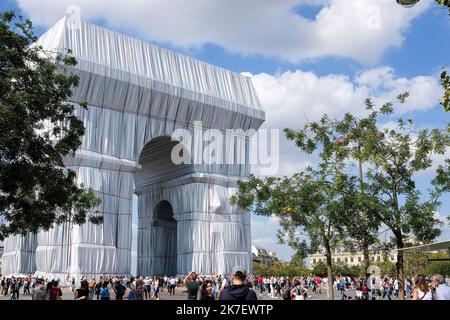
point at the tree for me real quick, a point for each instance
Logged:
(346, 139)
(37, 130)
(260, 269)
(444, 3)
(395, 161)
(314, 201)
(300, 255)
(445, 82)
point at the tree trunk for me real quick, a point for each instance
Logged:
(400, 266)
(365, 244)
(365, 249)
(329, 271)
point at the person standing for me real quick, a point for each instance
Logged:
(421, 289)
(119, 290)
(261, 285)
(98, 286)
(156, 287)
(343, 288)
(442, 289)
(224, 283)
(92, 289)
(207, 293)
(192, 285)
(55, 291)
(395, 286)
(14, 286)
(238, 290)
(147, 288)
(132, 295)
(104, 291)
(172, 285)
(38, 292)
(139, 288)
(386, 289)
(83, 292)
(26, 287)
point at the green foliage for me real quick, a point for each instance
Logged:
(395, 161)
(260, 269)
(298, 258)
(445, 82)
(314, 201)
(418, 263)
(444, 3)
(320, 269)
(386, 268)
(37, 130)
(437, 267)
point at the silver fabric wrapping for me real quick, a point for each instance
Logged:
(19, 255)
(138, 94)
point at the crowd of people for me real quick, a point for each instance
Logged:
(237, 286)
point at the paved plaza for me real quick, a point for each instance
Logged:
(181, 295)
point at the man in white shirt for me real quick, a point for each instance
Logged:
(172, 285)
(442, 289)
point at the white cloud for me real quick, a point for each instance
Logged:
(358, 29)
(264, 234)
(445, 228)
(292, 98)
(264, 242)
(264, 228)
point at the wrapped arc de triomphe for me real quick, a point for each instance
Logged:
(137, 95)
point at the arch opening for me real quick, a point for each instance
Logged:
(157, 235)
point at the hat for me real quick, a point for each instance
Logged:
(239, 271)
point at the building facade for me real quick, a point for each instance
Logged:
(352, 259)
(261, 255)
(138, 96)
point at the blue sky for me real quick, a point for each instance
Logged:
(305, 57)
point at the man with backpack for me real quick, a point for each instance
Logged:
(238, 290)
(104, 291)
(55, 292)
(286, 292)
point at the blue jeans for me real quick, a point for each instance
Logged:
(387, 292)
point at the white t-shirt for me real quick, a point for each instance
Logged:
(425, 296)
(224, 283)
(443, 292)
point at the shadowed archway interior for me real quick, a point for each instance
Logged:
(157, 239)
(165, 228)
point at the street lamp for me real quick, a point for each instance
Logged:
(407, 3)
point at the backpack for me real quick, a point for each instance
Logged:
(54, 293)
(120, 289)
(286, 294)
(104, 292)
